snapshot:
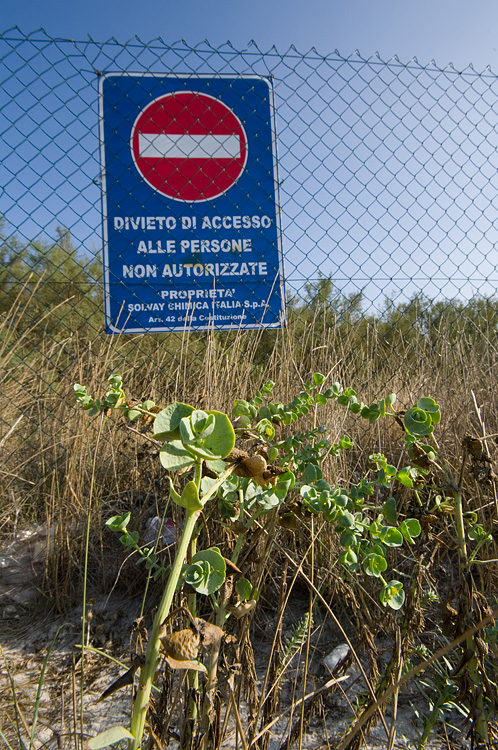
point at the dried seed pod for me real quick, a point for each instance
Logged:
(235, 455)
(252, 466)
(262, 450)
(428, 521)
(269, 476)
(182, 645)
(264, 479)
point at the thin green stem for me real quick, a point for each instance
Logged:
(148, 671)
(193, 677)
(85, 565)
(460, 528)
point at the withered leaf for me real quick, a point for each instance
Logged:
(242, 608)
(288, 521)
(211, 634)
(192, 664)
(476, 448)
(232, 569)
(124, 680)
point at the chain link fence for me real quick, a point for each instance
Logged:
(389, 204)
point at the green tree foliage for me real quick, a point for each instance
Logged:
(52, 276)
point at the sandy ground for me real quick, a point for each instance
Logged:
(28, 632)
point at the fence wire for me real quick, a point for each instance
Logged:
(389, 198)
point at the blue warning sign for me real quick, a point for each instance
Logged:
(191, 216)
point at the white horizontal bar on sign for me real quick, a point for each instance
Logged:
(186, 146)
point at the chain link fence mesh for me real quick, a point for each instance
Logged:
(389, 201)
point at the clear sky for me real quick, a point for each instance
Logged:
(424, 210)
(456, 31)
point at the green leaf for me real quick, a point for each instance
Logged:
(189, 498)
(196, 428)
(199, 450)
(265, 429)
(391, 537)
(173, 456)
(389, 510)
(346, 520)
(418, 422)
(349, 558)
(274, 496)
(430, 406)
(242, 408)
(478, 533)
(243, 587)
(410, 528)
(311, 500)
(392, 595)
(167, 422)
(374, 565)
(264, 413)
(404, 476)
(109, 737)
(311, 474)
(243, 422)
(187, 433)
(341, 499)
(273, 454)
(118, 523)
(345, 443)
(378, 549)
(132, 414)
(375, 529)
(173, 494)
(222, 439)
(207, 571)
(202, 423)
(347, 538)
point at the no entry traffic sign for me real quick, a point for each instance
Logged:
(189, 146)
(191, 216)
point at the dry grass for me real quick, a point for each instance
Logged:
(48, 453)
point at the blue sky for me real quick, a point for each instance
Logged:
(456, 31)
(421, 215)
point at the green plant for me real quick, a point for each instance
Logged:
(441, 694)
(197, 448)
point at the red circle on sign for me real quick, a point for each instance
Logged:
(189, 146)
